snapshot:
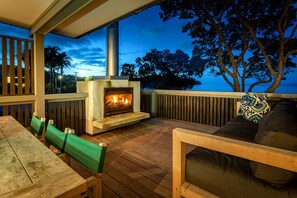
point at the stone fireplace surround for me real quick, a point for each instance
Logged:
(95, 120)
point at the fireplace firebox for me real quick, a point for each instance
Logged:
(118, 101)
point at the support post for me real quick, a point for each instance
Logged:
(39, 74)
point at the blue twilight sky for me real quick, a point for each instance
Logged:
(138, 34)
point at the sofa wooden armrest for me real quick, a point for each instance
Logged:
(267, 155)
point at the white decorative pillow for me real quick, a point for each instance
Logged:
(253, 107)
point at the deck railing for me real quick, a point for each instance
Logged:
(18, 97)
(16, 66)
(211, 108)
(67, 110)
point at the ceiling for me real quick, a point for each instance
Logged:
(71, 18)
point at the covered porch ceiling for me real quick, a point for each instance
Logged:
(71, 18)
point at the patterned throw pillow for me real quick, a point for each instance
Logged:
(253, 107)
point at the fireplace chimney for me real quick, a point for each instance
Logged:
(112, 68)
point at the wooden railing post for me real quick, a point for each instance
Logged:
(154, 109)
(39, 74)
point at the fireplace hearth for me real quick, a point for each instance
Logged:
(118, 101)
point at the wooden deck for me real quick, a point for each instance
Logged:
(139, 157)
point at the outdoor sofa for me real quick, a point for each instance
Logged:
(224, 164)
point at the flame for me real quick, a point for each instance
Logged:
(115, 99)
(120, 100)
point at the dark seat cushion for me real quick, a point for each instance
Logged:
(239, 128)
(277, 129)
(229, 177)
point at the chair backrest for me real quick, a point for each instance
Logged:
(55, 137)
(37, 125)
(89, 154)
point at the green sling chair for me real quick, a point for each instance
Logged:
(56, 138)
(91, 156)
(37, 125)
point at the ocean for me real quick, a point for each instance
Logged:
(283, 88)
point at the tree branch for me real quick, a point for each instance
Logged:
(288, 54)
(283, 19)
(259, 82)
(226, 79)
(221, 60)
(224, 76)
(220, 35)
(259, 43)
(244, 46)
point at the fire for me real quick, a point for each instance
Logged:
(115, 99)
(120, 100)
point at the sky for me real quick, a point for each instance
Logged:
(138, 34)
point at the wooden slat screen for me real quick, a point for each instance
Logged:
(213, 111)
(145, 103)
(21, 112)
(67, 114)
(16, 66)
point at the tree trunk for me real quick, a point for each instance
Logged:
(51, 81)
(61, 80)
(236, 87)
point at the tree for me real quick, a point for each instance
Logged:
(128, 70)
(54, 59)
(166, 70)
(63, 61)
(69, 85)
(240, 39)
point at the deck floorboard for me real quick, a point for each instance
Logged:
(139, 157)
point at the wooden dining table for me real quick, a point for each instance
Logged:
(29, 169)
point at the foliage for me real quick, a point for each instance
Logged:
(240, 39)
(163, 70)
(55, 60)
(69, 85)
(129, 70)
(89, 78)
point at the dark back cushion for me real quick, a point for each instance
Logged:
(277, 129)
(238, 128)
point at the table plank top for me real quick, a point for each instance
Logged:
(29, 169)
(10, 168)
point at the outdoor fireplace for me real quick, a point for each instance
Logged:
(118, 101)
(112, 102)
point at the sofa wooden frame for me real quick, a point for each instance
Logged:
(180, 137)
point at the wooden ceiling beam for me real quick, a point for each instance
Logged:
(57, 13)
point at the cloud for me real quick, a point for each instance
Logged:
(91, 70)
(86, 52)
(133, 52)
